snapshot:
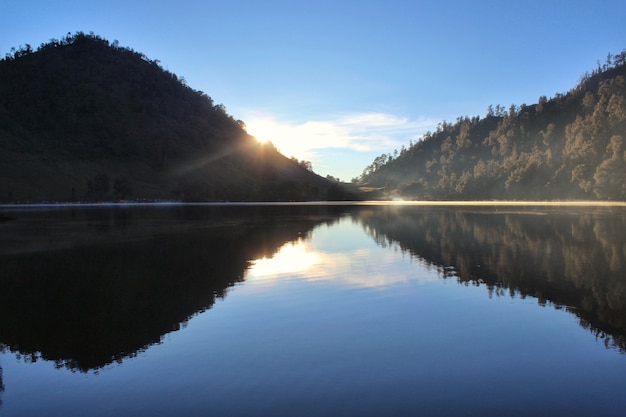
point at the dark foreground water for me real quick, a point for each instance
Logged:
(312, 311)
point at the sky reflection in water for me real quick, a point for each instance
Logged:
(357, 262)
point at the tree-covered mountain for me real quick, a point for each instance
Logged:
(572, 146)
(83, 119)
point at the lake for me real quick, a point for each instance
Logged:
(312, 310)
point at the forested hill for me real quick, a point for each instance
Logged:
(571, 146)
(83, 119)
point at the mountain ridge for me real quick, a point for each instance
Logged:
(83, 119)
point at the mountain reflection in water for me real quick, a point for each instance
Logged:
(87, 287)
(570, 257)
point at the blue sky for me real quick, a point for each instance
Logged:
(341, 82)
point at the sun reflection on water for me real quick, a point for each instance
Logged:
(292, 258)
(364, 267)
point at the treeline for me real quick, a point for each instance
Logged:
(571, 146)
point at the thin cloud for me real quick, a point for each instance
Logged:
(374, 120)
(365, 132)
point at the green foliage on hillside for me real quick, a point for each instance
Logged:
(572, 146)
(82, 118)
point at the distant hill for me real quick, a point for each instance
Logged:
(83, 119)
(572, 146)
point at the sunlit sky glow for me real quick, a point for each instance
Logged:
(340, 82)
(365, 133)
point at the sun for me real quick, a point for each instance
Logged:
(299, 140)
(263, 130)
(290, 140)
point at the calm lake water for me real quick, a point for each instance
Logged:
(244, 310)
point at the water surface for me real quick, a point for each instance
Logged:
(313, 310)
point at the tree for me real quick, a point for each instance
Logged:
(610, 181)
(306, 165)
(98, 187)
(541, 103)
(122, 188)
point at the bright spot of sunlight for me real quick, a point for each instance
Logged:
(262, 129)
(355, 268)
(292, 258)
(300, 140)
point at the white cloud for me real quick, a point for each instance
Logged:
(374, 119)
(365, 132)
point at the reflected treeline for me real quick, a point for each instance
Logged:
(571, 258)
(92, 286)
(1, 386)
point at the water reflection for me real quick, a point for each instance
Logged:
(361, 265)
(85, 288)
(571, 258)
(1, 386)
(292, 258)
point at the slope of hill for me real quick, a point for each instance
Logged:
(82, 119)
(569, 147)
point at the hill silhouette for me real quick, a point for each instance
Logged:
(83, 119)
(571, 146)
